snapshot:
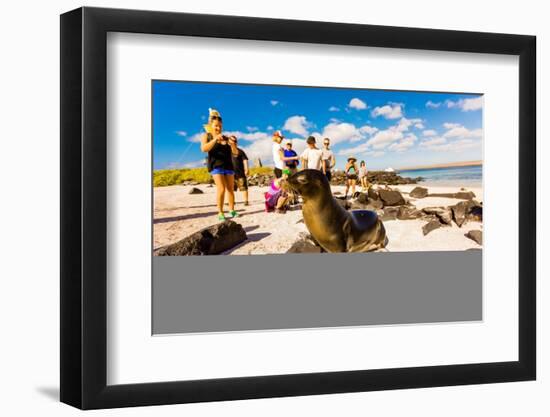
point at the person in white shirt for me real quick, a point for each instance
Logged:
(278, 154)
(329, 161)
(312, 157)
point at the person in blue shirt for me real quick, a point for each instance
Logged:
(291, 158)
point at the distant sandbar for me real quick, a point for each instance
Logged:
(447, 165)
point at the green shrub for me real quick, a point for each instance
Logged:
(165, 177)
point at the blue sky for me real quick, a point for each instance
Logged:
(385, 128)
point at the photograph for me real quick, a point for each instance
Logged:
(353, 163)
(254, 169)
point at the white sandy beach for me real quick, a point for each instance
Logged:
(177, 214)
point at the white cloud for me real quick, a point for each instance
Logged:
(182, 133)
(356, 150)
(357, 104)
(461, 132)
(385, 137)
(451, 104)
(299, 145)
(249, 136)
(404, 144)
(430, 104)
(429, 132)
(262, 148)
(456, 146)
(341, 132)
(431, 142)
(297, 124)
(196, 138)
(369, 130)
(471, 104)
(405, 123)
(333, 108)
(468, 104)
(457, 138)
(393, 111)
(274, 102)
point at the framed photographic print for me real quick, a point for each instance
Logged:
(257, 207)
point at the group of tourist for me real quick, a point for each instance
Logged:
(320, 159)
(228, 165)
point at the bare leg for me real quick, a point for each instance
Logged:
(281, 202)
(220, 191)
(229, 184)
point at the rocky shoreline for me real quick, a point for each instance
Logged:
(338, 178)
(416, 209)
(390, 204)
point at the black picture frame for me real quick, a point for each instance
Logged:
(84, 207)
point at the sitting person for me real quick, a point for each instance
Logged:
(277, 198)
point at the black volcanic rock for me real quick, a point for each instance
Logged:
(211, 240)
(391, 198)
(409, 213)
(419, 192)
(431, 226)
(461, 195)
(376, 177)
(476, 236)
(445, 215)
(305, 244)
(467, 210)
(196, 190)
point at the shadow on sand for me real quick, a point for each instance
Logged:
(252, 237)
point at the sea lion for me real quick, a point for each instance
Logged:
(334, 228)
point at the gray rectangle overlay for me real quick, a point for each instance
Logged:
(237, 293)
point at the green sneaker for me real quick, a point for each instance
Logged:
(234, 214)
(221, 217)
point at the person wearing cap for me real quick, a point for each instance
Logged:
(278, 154)
(351, 175)
(312, 157)
(220, 149)
(240, 166)
(329, 160)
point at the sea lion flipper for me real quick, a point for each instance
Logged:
(347, 228)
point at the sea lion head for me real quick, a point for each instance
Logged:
(309, 183)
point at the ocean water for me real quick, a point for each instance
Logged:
(454, 176)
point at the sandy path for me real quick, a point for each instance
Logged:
(178, 214)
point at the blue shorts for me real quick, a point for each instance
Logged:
(221, 171)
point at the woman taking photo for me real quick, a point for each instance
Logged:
(351, 175)
(220, 148)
